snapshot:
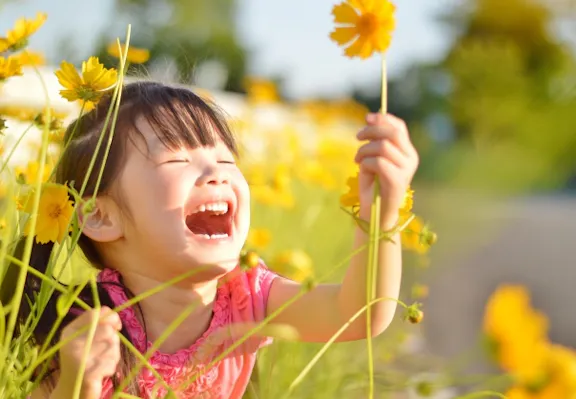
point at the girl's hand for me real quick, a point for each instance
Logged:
(389, 155)
(103, 356)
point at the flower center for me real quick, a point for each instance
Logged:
(367, 24)
(87, 93)
(55, 211)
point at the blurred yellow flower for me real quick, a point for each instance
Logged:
(21, 113)
(314, 172)
(408, 201)
(31, 114)
(261, 91)
(518, 332)
(352, 197)
(17, 38)
(557, 377)
(416, 236)
(366, 24)
(30, 58)
(281, 178)
(259, 238)
(135, 55)
(293, 264)
(29, 174)
(94, 82)
(54, 214)
(9, 66)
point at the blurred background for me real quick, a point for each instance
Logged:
(487, 87)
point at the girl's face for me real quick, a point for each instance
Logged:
(186, 208)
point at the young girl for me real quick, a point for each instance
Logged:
(172, 199)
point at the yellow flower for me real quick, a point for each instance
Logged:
(368, 24)
(352, 197)
(54, 214)
(30, 174)
(557, 377)
(518, 332)
(314, 172)
(261, 91)
(408, 201)
(416, 236)
(17, 38)
(259, 238)
(135, 55)
(9, 66)
(30, 58)
(293, 264)
(94, 82)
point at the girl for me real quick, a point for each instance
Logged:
(172, 199)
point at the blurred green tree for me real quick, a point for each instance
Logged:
(197, 38)
(495, 112)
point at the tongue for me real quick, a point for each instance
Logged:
(207, 223)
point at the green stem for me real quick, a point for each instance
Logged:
(21, 280)
(273, 315)
(371, 279)
(169, 330)
(333, 339)
(482, 394)
(5, 163)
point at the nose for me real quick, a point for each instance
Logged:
(213, 175)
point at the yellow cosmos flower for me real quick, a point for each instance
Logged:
(352, 197)
(54, 214)
(9, 66)
(29, 174)
(259, 238)
(30, 58)
(408, 201)
(261, 91)
(91, 85)
(293, 264)
(518, 333)
(416, 236)
(17, 38)
(366, 24)
(135, 55)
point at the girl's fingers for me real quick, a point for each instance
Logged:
(388, 127)
(382, 148)
(383, 168)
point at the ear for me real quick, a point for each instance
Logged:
(101, 220)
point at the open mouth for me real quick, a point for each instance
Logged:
(212, 220)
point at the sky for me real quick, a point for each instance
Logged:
(289, 37)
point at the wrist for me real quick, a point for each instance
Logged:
(387, 221)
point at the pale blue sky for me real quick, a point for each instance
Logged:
(289, 36)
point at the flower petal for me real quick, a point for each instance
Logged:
(385, 10)
(361, 47)
(381, 40)
(68, 76)
(344, 14)
(343, 35)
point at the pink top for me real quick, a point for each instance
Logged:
(240, 300)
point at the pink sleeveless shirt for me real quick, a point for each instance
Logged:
(239, 301)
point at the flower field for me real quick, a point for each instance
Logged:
(298, 160)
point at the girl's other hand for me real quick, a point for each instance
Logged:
(103, 356)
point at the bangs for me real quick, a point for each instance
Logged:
(179, 118)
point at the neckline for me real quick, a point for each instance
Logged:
(137, 333)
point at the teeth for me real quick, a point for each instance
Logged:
(213, 236)
(219, 207)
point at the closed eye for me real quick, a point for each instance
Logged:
(228, 162)
(176, 160)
